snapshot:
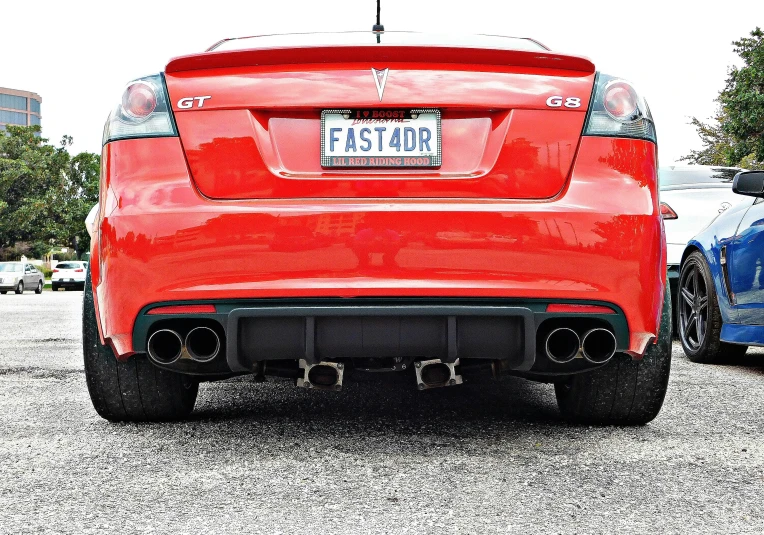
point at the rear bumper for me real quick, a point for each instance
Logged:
(67, 282)
(674, 252)
(160, 241)
(254, 331)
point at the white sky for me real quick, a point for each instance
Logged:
(79, 54)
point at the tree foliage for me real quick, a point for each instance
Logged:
(45, 193)
(735, 137)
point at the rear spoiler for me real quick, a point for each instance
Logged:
(380, 54)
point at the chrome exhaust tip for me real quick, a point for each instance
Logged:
(562, 345)
(165, 346)
(435, 374)
(202, 344)
(598, 345)
(321, 376)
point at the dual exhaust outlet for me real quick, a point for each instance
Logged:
(166, 346)
(202, 344)
(596, 345)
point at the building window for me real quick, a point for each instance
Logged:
(13, 102)
(34, 105)
(34, 119)
(13, 117)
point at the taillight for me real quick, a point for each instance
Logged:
(55, 271)
(79, 270)
(620, 101)
(617, 110)
(142, 112)
(139, 100)
(667, 212)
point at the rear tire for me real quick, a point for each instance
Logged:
(624, 391)
(20, 288)
(54, 287)
(38, 290)
(133, 390)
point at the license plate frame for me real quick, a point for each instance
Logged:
(382, 158)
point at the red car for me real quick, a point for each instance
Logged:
(316, 206)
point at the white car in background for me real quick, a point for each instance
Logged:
(69, 274)
(691, 197)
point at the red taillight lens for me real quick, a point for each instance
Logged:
(139, 100)
(571, 308)
(79, 270)
(620, 101)
(55, 271)
(667, 212)
(183, 309)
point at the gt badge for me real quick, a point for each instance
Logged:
(188, 102)
(380, 78)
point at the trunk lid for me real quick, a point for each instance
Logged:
(258, 133)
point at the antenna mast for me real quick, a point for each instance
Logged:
(378, 28)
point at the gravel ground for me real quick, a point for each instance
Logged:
(377, 457)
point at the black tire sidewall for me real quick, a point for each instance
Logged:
(624, 391)
(118, 388)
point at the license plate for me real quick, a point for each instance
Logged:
(381, 138)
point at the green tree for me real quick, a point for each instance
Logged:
(736, 136)
(45, 193)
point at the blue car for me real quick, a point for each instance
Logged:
(720, 301)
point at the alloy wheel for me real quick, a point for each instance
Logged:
(693, 308)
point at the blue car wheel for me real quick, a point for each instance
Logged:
(700, 320)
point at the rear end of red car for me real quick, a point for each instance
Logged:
(446, 211)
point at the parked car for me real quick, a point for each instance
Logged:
(20, 276)
(721, 283)
(404, 152)
(691, 197)
(69, 274)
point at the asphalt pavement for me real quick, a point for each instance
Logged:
(377, 457)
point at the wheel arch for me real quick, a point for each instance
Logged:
(712, 257)
(692, 246)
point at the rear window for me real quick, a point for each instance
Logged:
(8, 267)
(679, 176)
(70, 265)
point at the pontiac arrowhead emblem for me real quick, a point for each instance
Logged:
(380, 78)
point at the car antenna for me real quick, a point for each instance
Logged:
(378, 28)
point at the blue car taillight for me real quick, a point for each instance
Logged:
(143, 112)
(617, 110)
